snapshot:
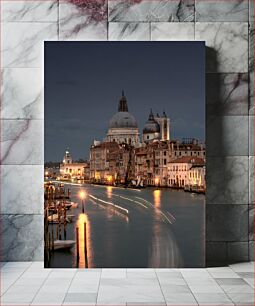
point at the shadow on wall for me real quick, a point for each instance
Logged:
(226, 224)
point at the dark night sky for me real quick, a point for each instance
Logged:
(84, 80)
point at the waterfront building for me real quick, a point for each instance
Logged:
(123, 127)
(187, 147)
(196, 177)
(183, 171)
(70, 169)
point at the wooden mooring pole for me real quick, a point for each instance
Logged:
(77, 246)
(85, 245)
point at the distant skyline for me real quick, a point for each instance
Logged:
(84, 82)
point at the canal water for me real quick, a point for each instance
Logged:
(149, 228)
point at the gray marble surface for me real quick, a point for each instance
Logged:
(22, 237)
(251, 68)
(234, 10)
(227, 223)
(23, 10)
(226, 94)
(228, 43)
(238, 251)
(25, 48)
(22, 93)
(129, 31)
(220, 142)
(159, 10)
(251, 180)
(251, 222)
(251, 135)
(181, 31)
(22, 191)
(22, 142)
(227, 180)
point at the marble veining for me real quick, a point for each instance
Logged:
(220, 142)
(22, 237)
(234, 10)
(226, 94)
(21, 142)
(22, 191)
(153, 10)
(22, 43)
(181, 31)
(23, 10)
(230, 175)
(22, 93)
(129, 31)
(228, 43)
(79, 20)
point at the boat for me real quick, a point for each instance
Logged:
(54, 218)
(63, 244)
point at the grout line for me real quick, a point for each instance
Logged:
(69, 285)
(160, 286)
(101, 270)
(15, 280)
(40, 287)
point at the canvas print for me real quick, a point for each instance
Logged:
(124, 175)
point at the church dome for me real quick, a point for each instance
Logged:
(123, 119)
(151, 126)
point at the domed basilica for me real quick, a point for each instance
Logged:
(123, 127)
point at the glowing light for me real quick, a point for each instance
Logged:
(156, 180)
(109, 178)
(82, 195)
(157, 198)
(46, 173)
(109, 192)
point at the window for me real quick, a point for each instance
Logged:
(148, 137)
(164, 161)
(164, 153)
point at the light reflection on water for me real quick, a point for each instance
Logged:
(157, 198)
(82, 219)
(163, 229)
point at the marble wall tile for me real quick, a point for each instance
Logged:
(153, 10)
(21, 237)
(238, 251)
(227, 180)
(227, 45)
(251, 250)
(251, 180)
(220, 142)
(226, 94)
(22, 43)
(172, 31)
(215, 252)
(22, 189)
(234, 10)
(77, 22)
(251, 135)
(22, 93)
(251, 222)
(22, 142)
(251, 69)
(129, 31)
(23, 10)
(227, 223)
(251, 10)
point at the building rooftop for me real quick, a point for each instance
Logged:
(189, 160)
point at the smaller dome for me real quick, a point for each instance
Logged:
(151, 126)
